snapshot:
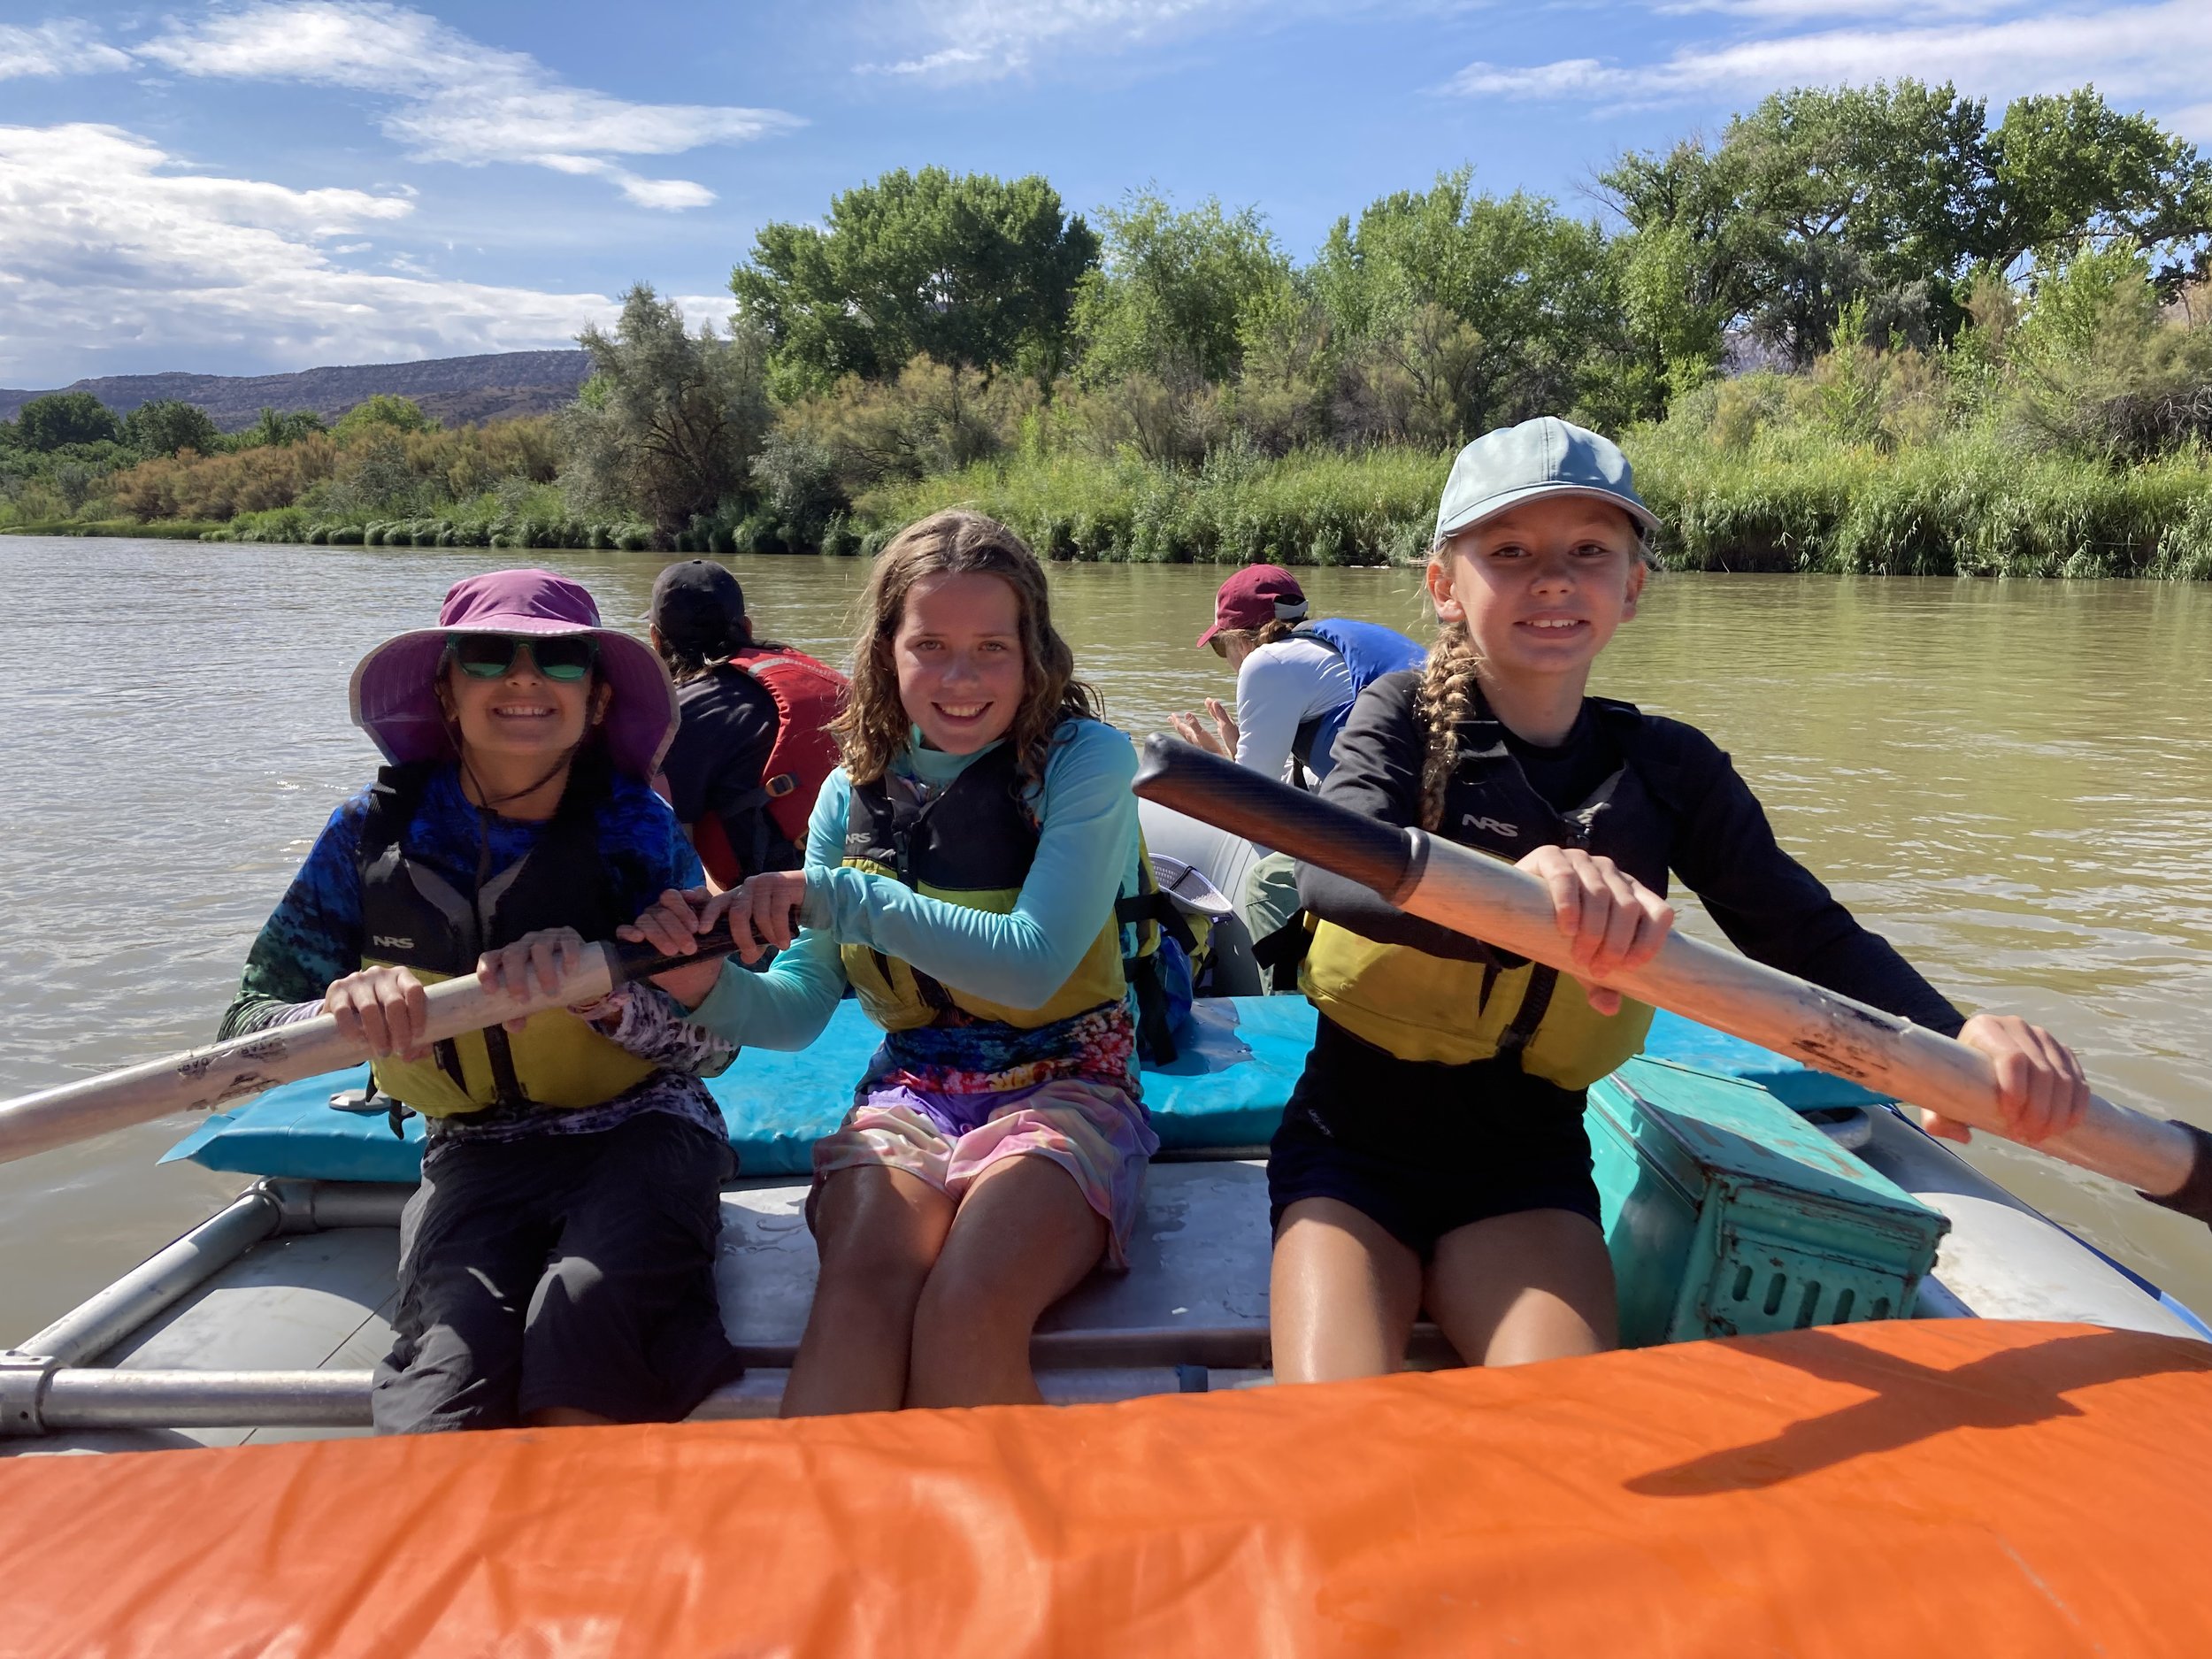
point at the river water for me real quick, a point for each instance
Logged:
(2011, 780)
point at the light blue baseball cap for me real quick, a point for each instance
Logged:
(1545, 456)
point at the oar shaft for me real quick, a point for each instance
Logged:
(224, 1071)
(1485, 898)
(1462, 890)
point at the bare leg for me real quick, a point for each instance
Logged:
(1024, 1238)
(879, 1231)
(1342, 1294)
(1538, 1285)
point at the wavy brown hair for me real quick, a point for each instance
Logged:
(871, 727)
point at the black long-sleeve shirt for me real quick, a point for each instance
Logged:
(1771, 907)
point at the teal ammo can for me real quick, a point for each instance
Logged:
(1729, 1215)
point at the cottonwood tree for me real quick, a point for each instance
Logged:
(971, 271)
(1172, 296)
(167, 425)
(62, 418)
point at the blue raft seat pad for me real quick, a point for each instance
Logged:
(1240, 1057)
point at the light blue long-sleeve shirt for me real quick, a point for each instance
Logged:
(1087, 850)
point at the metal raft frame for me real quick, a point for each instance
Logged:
(49, 1382)
(1189, 1316)
(1184, 1320)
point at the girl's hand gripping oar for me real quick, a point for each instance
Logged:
(1439, 881)
(227, 1071)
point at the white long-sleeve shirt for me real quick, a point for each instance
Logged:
(1279, 687)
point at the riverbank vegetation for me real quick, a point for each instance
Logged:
(1872, 329)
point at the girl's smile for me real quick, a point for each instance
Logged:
(958, 653)
(1541, 589)
(521, 714)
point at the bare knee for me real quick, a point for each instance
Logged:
(962, 1297)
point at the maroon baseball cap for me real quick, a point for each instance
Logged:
(1255, 597)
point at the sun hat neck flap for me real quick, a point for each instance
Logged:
(1506, 467)
(394, 692)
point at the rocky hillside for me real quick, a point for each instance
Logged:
(457, 390)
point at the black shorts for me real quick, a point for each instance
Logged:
(561, 1269)
(1423, 1148)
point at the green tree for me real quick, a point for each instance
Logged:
(60, 419)
(1820, 197)
(2070, 169)
(276, 428)
(972, 271)
(167, 425)
(669, 422)
(1174, 293)
(1528, 282)
(385, 409)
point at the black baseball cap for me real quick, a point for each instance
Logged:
(697, 605)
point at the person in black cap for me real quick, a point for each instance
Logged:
(753, 747)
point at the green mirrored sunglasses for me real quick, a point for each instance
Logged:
(566, 657)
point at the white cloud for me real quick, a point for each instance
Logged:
(458, 99)
(2150, 53)
(62, 47)
(111, 240)
(987, 40)
(1815, 11)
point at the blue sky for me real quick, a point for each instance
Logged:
(270, 185)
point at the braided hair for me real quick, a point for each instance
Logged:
(1444, 699)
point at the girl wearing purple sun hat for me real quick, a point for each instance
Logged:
(557, 1263)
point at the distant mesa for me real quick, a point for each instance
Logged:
(460, 391)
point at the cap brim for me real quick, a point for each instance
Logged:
(1207, 638)
(392, 694)
(1508, 500)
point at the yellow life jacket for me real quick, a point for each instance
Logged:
(971, 843)
(1455, 1011)
(412, 918)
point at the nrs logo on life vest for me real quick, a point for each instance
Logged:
(1490, 823)
(384, 942)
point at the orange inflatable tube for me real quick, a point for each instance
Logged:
(1951, 1489)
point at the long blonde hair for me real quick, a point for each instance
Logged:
(871, 727)
(1445, 698)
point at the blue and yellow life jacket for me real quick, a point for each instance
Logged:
(971, 843)
(412, 918)
(1423, 1007)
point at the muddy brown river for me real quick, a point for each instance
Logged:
(2011, 780)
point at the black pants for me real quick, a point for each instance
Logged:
(559, 1270)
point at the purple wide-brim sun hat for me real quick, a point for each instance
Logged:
(394, 692)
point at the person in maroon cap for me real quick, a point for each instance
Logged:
(1296, 682)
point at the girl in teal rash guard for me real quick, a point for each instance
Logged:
(962, 872)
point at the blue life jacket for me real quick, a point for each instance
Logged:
(1369, 651)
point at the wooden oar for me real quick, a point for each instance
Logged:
(1486, 898)
(224, 1071)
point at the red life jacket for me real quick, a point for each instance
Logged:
(807, 694)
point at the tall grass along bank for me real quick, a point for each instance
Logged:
(1962, 509)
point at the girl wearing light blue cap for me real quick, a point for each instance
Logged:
(1433, 1155)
